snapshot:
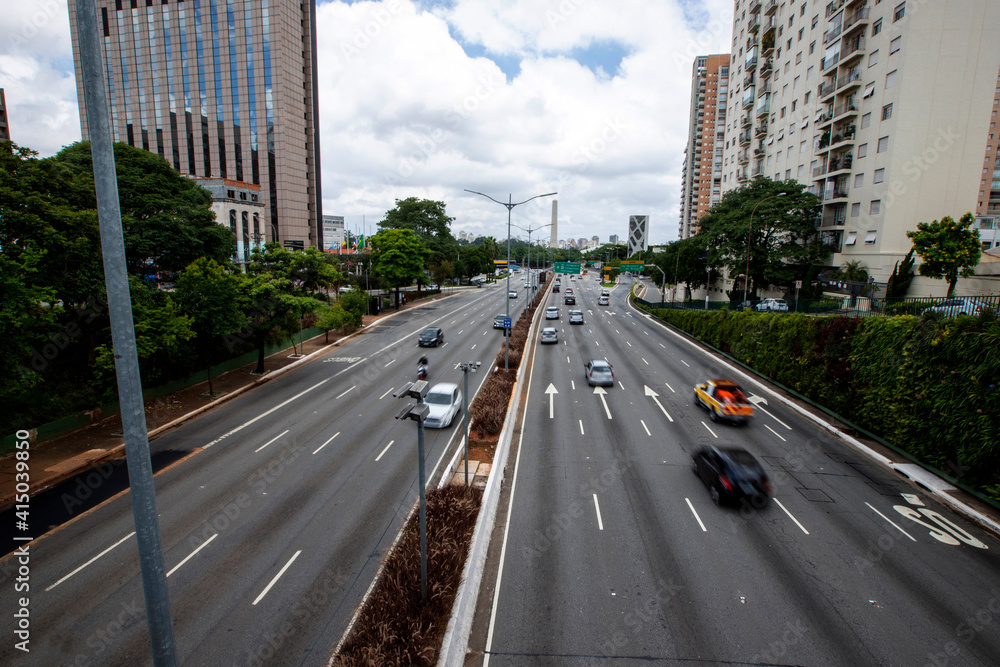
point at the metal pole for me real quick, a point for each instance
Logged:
(140, 470)
(506, 333)
(423, 510)
(465, 370)
(708, 281)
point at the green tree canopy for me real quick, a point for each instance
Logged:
(947, 248)
(783, 240)
(398, 258)
(427, 219)
(682, 262)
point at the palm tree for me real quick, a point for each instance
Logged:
(854, 272)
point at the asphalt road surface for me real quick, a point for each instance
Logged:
(275, 512)
(612, 553)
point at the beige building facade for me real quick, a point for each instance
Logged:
(702, 170)
(883, 108)
(222, 89)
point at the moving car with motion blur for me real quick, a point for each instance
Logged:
(444, 401)
(724, 399)
(431, 336)
(598, 372)
(732, 475)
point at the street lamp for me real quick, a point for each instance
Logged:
(746, 278)
(418, 413)
(509, 206)
(530, 230)
(465, 368)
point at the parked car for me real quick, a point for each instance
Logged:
(723, 399)
(498, 321)
(552, 313)
(444, 401)
(603, 301)
(512, 294)
(773, 306)
(599, 372)
(549, 335)
(431, 336)
(732, 475)
(956, 307)
(576, 317)
(431, 288)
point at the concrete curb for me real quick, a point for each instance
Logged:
(456, 636)
(936, 489)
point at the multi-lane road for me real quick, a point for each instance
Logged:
(608, 550)
(275, 513)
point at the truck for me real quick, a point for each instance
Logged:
(724, 399)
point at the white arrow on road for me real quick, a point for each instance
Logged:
(650, 392)
(600, 392)
(550, 391)
(758, 400)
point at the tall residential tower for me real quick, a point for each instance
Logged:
(220, 89)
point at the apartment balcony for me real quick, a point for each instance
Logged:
(770, 7)
(746, 120)
(850, 80)
(761, 129)
(826, 89)
(764, 89)
(832, 34)
(840, 164)
(834, 215)
(758, 170)
(834, 7)
(770, 23)
(764, 108)
(745, 138)
(754, 6)
(851, 49)
(838, 193)
(766, 67)
(848, 108)
(828, 63)
(743, 157)
(758, 152)
(856, 19)
(851, 3)
(749, 80)
(748, 97)
(753, 25)
(751, 59)
(819, 171)
(741, 175)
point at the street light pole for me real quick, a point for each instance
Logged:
(746, 278)
(530, 230)
(465, 368)
(509, 206)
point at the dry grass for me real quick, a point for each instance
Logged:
(394, 628)
(489, 409)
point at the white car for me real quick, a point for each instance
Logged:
(512, 294)
(773, 306)
(444, 401)
(552, 313)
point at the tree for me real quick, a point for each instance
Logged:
(853, 271)
(442, 272)
(334, 317)
(683, 262)
(398, 258)
(948, 249)
(783, 239)
(309, 270)
(355, 305)
(211, 297)
(902, 276)
(427, 219)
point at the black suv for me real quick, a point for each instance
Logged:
(432, 336)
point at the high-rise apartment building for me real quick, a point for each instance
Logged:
(4, 129)
(882, 107)
(221, 89)
(702, 170)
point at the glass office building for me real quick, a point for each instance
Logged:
(220, 89)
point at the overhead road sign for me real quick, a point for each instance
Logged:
(568, 267)
(632, 265)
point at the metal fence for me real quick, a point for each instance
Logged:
(857, 306)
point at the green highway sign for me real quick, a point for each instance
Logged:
(632, 265)
(568, 267)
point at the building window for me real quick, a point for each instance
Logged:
(866, 120)
(900, 12)
(782, 112)
(873, 58)
(798, 58)
(812, 48)
(802, 147)
(859, 180)
(862, 151)
(895, 45)
(875, 207)
(890, 79)
(231, 194)
(855, 210)
(877, 27)
(878, 176)
(815, 21)
(883, 145)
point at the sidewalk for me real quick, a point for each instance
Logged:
(59, 459)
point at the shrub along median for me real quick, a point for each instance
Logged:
(929, 386)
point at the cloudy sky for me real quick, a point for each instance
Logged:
(587, 98)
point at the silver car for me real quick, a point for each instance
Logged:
(598, 372)
(552, 313)
(549, 335)
(444, 401)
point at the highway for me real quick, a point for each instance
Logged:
(275, 513)
(608, 550)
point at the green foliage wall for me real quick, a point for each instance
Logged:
(929, 386)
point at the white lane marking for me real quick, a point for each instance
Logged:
(280, 405)
(326, 443)
(453, 321)
(644, 360)
(645, 427)
(617, 331)
(567, 359)
(912, 499)
(276, 577)
(891, 522)
(485, 332)
(202, 546)
(551, 391)
(621, 385)
(600, 392)
(270, 441)
(473, 347)
(460, 332)
(597, 343)
(387, 392)
(698, 518)
(792, 517)
(709, 430)
(348, 391)
(581, 427)
(663, 346)
(384, 450)
(757, 400)
(444, 345)
(572, 384)
(89, 561)
(600, 524)
(656, 399)
(774, 432)
(389, 364)
(628, 343)
(669, 387)
(645, 332)
(590, 331)
(685, 363)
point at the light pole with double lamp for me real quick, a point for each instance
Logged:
(509, 205)
(530, 231)
(746, 278)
